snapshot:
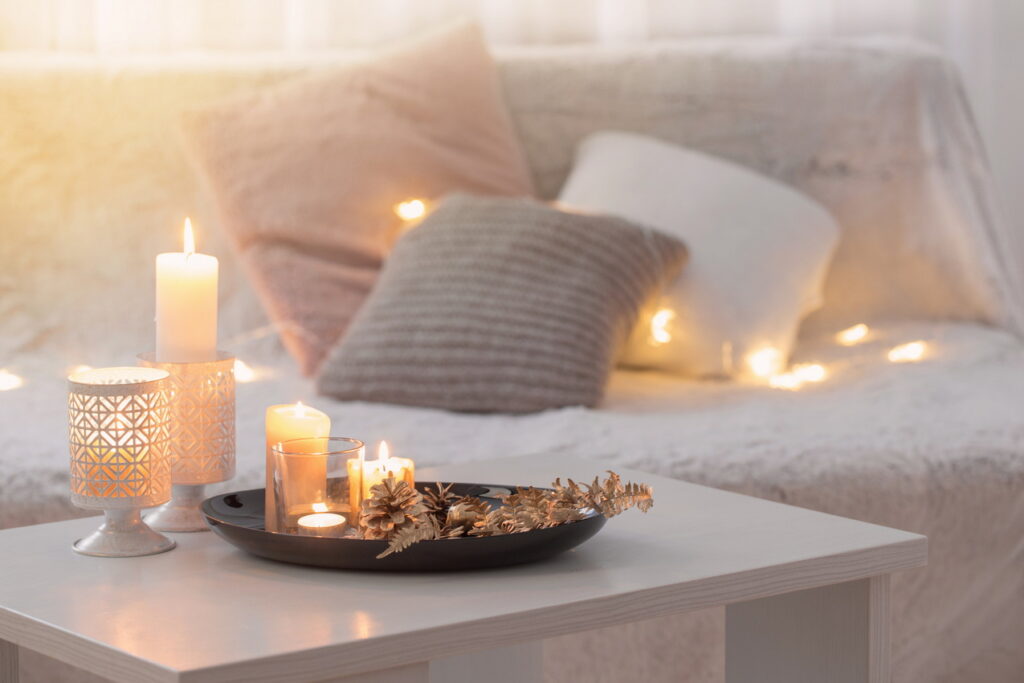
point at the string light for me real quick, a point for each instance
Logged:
(911, 352)
(797, 376)
(659, 327)
(8, 380)
(243, 373)
(810, 372)
(853, 335)
(765, 362)
(411, 209)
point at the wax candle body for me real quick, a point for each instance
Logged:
(186, 307)
(321, 524)
(284, 423)
(375, 471)
(365, 474)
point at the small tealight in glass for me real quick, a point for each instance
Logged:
(316, 481)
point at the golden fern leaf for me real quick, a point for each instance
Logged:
(409, 535)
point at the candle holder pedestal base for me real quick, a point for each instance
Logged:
(182, 512)
(123, 534)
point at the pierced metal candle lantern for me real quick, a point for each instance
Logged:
(118, 422)
(202, 431)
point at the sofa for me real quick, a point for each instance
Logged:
(94, 183)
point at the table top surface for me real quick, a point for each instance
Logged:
(206, 611)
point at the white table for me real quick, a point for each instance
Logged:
(806, 595)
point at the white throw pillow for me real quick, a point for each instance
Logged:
(759, 253)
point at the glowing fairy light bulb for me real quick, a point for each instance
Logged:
(853, 335)
(765, 362)
(9, 381)
(809, 372)
(786, 380)
(660, 321)
(243, 372)
(910, 352)
(411, 209)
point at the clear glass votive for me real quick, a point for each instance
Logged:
(318, 485)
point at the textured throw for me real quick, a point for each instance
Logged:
(499, 305)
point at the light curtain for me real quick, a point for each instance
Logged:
(961, 27)
(964, 29)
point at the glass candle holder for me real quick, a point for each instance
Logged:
(118, 421)
(317, 485)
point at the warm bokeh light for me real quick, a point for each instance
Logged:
(660, 333)
(765, 362)
(809, 372)
(190, 240)
(75, 369)
(8, 380)
(411, 209)
(797, 376)
(908, 353)
(853, 335)
(243, 373)
(786, 380)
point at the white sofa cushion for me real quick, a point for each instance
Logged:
(759, 252)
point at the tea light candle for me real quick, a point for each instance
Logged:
(284, 423)
(376, 471)
(186, 304)
(324, 521)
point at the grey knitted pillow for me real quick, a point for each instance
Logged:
(500, 305)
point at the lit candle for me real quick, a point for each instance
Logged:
(321, 523)
(186, 304)
(376, 471)
(284, 423)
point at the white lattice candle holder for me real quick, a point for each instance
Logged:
(202, 430)
(118, 421)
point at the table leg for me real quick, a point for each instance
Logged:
(836, 633)
(8, 662)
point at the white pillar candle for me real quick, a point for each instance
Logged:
(186, 304)
(284, 423)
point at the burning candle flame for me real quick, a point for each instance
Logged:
(319, 507)
(853, 335)
(300, 409)
(383, 452)
(190, 240)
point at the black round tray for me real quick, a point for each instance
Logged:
(238, 518)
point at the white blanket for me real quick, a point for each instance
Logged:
(933, 447)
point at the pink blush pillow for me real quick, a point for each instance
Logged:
(306, 175)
